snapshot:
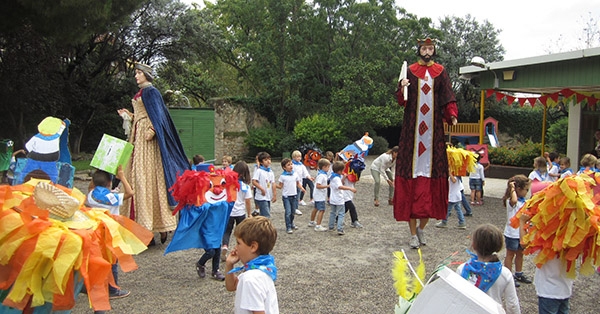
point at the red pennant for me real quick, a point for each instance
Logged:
(554, 97)
(499, 96)
(567, 92)
(543, 100)
(510, 99)
(592, 101)
(489, 93)
(522, 101)
(579, 97)
(532, 101)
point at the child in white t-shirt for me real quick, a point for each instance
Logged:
(320, 195)
(454, 201)
(264, 181)
(241, 207)
(336, 199)
(255, 287)
(289, 183)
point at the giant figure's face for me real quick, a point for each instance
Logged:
(426, 52)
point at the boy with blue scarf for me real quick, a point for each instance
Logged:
(255, 287)
(101, 196)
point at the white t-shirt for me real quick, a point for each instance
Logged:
(553, 170)
(503, 287)
(551, 281)
(239, 207)
(289, 184)
(566, 173)
(454, 189)
(509, 231)
(255, 292)
(540, 176)
(320, 195)
(336, 197)
(348, 195)
(479, 172)
(266, 179)
(116, 200)
(301, 171)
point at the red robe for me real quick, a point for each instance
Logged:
(421, 184)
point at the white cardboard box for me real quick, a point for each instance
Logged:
(452, 294)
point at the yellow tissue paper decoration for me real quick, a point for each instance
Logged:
(461, 161)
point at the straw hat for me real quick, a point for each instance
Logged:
(55, 200)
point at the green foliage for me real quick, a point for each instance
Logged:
(557, 135)
(521, 156)
(264, 139)
(82, 165)
(525, 122)
(288, 143)
(321, 130)
(380, 145)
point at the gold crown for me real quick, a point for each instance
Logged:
(426, 41)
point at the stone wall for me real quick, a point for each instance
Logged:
(232, 122)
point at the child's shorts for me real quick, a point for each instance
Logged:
(475, 184)
(320, 205)
(512, 244)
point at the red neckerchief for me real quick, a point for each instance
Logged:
(419, 68)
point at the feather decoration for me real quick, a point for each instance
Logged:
(401, 275)
(461, 161)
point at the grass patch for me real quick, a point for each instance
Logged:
(82, 165)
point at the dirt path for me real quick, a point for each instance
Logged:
(321, 272)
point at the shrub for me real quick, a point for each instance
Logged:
(264, 139)
(557, 135)
(380, 145)
(321, 130)
(519, 157)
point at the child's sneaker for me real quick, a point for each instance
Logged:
(522, 278)
(311, 224)
(461, 226)
(118, 294)
(302, 203)
(414, 242)
(421, 236)
(340, 232)
(320, 228)
(217, 275)
(441, 224)
(201, 270)
(223, 254)
(356, 224)
(298, 212)
(294, 227)
(290, 231)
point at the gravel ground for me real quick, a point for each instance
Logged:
(322, 272)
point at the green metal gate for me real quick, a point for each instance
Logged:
(196, 128)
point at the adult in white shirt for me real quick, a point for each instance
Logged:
(382, 166)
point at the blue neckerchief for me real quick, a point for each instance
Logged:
(555, 164)
(266, 263)
(99, 194)
(297, 163)
(47, 137)
(486, 272)
(265, 168)
(287, 173)
(243, 186)
(321, 172)
(566, 170)
(335, 175)
(544, 177)
(521, 199)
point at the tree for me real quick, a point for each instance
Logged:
(462, 39)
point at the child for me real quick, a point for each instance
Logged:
(485, 271)
(553, 166)
(329, 155)
(255, 288)
(336, 199)
(304, 175)
(588, 163)
(256, 211)
(476, 182)
(349, 205)
(540, 170)
(196, 160)
(289, 183)
(454, 200)
(463, 199)
(101, 196)
(242, 206)
(552, 285)
(514, 199)
(264, 181)
(565, 167)
(226, 162)
(320, 195)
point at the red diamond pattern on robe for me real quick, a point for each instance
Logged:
(426, 88)
(423, 128)
(422, 148)
(424, 109)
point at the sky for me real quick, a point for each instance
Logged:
(529, 27)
